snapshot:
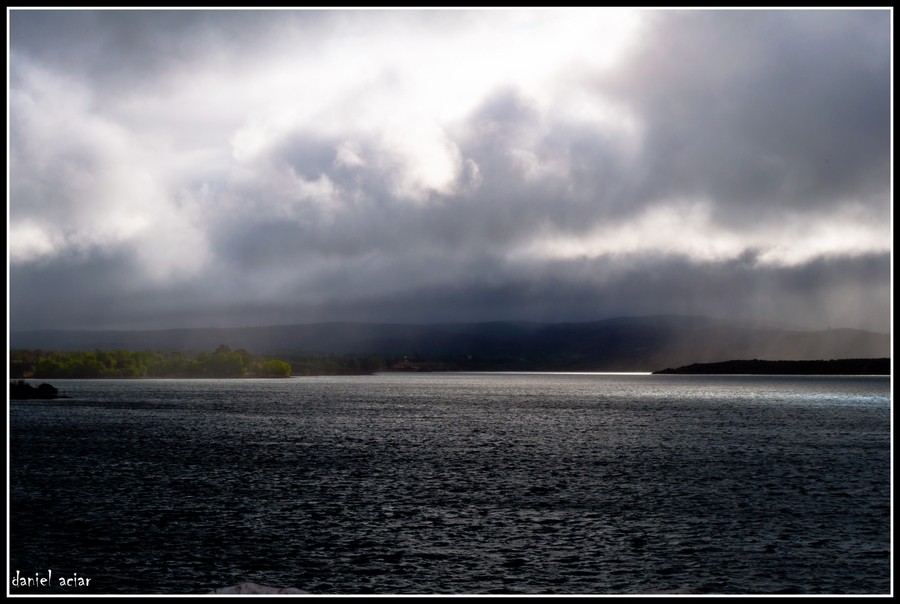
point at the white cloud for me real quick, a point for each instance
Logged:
(687, 228)
(82, 181)
(349, 154)
(29, 242)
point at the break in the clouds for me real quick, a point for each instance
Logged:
(235, 167)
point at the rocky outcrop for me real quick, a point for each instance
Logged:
(22, 390)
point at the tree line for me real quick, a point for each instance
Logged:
(221, 363)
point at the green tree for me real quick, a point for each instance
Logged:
(275, 368)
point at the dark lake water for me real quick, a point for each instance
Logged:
(457, 484)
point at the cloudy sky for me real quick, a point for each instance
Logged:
(227, 168)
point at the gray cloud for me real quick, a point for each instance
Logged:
(764, 110)
(128, 51)
(177, 168)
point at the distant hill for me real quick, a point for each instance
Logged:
(622, 344)
(757, 367)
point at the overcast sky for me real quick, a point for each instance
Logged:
(228, 168)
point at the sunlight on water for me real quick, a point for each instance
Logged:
(459, 484)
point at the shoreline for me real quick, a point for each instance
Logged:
(873, 367)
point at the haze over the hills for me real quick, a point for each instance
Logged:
(221, 168)
(624, 344)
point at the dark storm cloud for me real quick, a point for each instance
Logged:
(228, 167)
(764, 110)
(123, 50)
(836, 291)
(826, 292)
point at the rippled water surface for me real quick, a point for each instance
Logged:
(457, 484)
